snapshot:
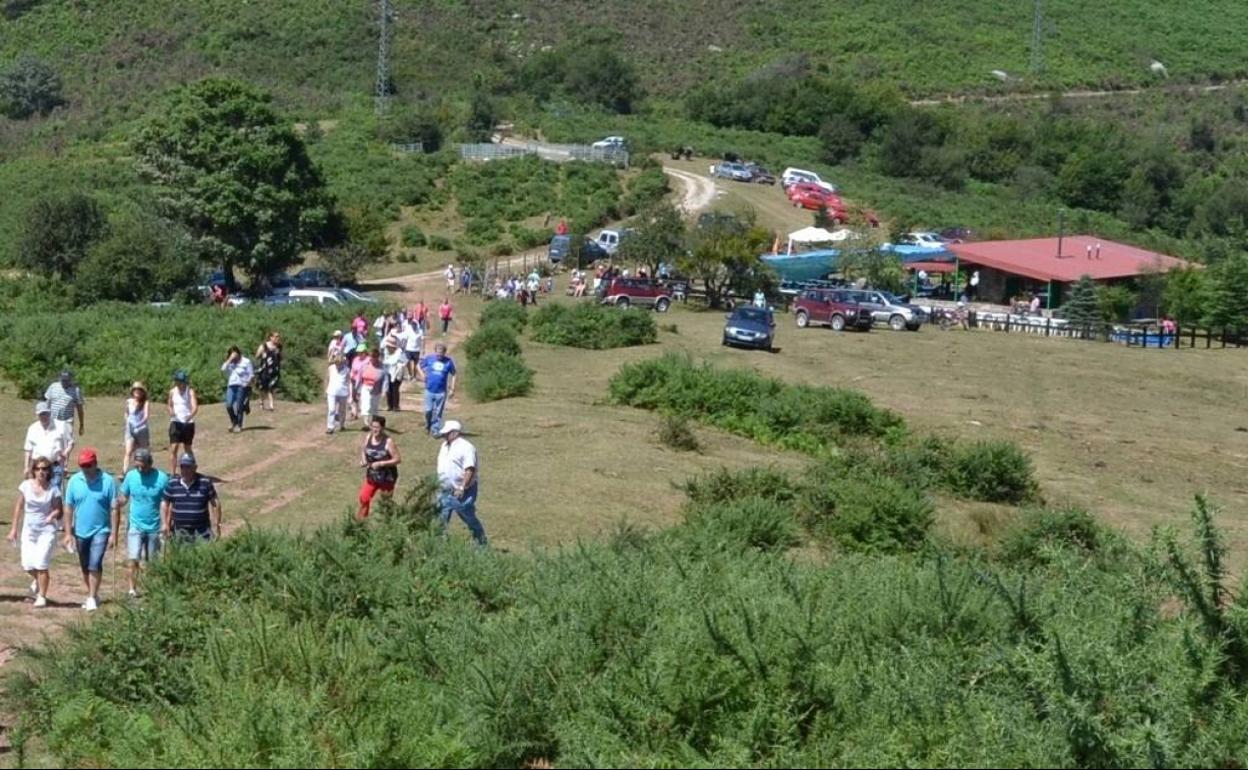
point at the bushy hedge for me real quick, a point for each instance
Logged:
(381, 644)
(744, 402)
(865, 510)
(492, 338)
(512, 314)
(111, 345)
(992, 471)
(591, 326)
(495, 375)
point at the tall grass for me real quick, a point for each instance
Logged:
(385, 645)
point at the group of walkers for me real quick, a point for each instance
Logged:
(83, 513)
(360, 372)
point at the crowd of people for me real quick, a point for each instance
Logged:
(83, 512)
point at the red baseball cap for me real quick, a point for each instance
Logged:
(87, 457)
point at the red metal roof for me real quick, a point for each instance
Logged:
(1081, 254)
(931, 267)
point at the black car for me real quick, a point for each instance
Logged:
(314, 278)
(750, 327)
(760, 175)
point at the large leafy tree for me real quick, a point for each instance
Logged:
(59, 231)
(29, 87)
(723, 256)
(236, 176)
(659, 237)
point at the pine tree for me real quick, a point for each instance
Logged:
(1083, 309)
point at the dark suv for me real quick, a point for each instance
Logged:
(830, 307)
(626, 292)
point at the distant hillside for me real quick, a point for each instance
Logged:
(315, 53)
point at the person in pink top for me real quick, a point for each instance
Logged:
(360, 326)
(357, 374)
(445, 312)
(420, 313)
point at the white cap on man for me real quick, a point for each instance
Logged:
(450, 425)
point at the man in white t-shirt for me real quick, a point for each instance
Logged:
(48, 439)
(413, 341)
(458, 474)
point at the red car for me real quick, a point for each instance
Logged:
(626, 292)
(809, 196)
(831, 307)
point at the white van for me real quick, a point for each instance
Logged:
(609, 240)
(793, 176)
(316, 296)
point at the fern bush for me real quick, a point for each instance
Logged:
(591, 326)
(992, 471)
(491, 338)
(496, 375)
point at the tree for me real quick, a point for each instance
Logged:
(1116, 303)
(346, 261)
(408, 125)
(1082, 308)
(59, 231)
(880, 270)
(144, 258)
(598, 75)
(30, 86)
(841, 139)
(1186, 294)
(724, 257)
(1228, 296)
(823, 218)
(659, 238)
(236, 176)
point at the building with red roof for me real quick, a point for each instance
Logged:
(1045, 266)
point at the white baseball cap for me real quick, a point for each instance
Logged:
(449, 426)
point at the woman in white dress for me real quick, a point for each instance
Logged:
(37, 512)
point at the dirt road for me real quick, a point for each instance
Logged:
(700, 192)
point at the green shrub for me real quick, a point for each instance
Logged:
(865, 510)
(439, 243)
(511, 314)
(750, 522)
(1040, 535)
(744, 402)
(110, 345)
(724, 484)
(675, 433)
(595, 327)
(529, 237)
(492, 338)
(413, 238)
(992, 471)
(496, 375)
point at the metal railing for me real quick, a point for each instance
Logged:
(559, 153)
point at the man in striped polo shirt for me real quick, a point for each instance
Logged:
(190, 510)
(65, 398)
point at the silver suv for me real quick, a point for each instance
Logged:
(888, 308)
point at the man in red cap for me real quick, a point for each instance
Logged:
(91, 519)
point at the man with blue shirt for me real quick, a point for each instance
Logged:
(438, 372)
(91, 520)
(144, 489)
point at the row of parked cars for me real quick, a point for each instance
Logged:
(310, 285)
(838, 308)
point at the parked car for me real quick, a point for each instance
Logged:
(313, 278)
(610, 143)
(626, 292)
(835, 308)
(890, 309)
(352, 295)
(957, 235)
(316, 296)
(814, 189)
(279, 283)
(610, 240)
(736, 171)
(561, 247)
(760, 175)
(751, 327)
(275, 300)
(792, 176)
(927, 240)
(813, 200)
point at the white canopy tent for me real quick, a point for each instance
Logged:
(809, 235)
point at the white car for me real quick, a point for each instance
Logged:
(610, 143)
(316, 296)
(792, 176)
(924, 240)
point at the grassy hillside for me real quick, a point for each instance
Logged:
(314, 54)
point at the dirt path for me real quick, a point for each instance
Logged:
(1082, 94)
(700, 192)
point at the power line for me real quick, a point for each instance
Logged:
(381, 93)
(1037, 39)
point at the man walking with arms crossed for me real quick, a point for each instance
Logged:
(457, 480)
(191, 510)
(66, 400)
